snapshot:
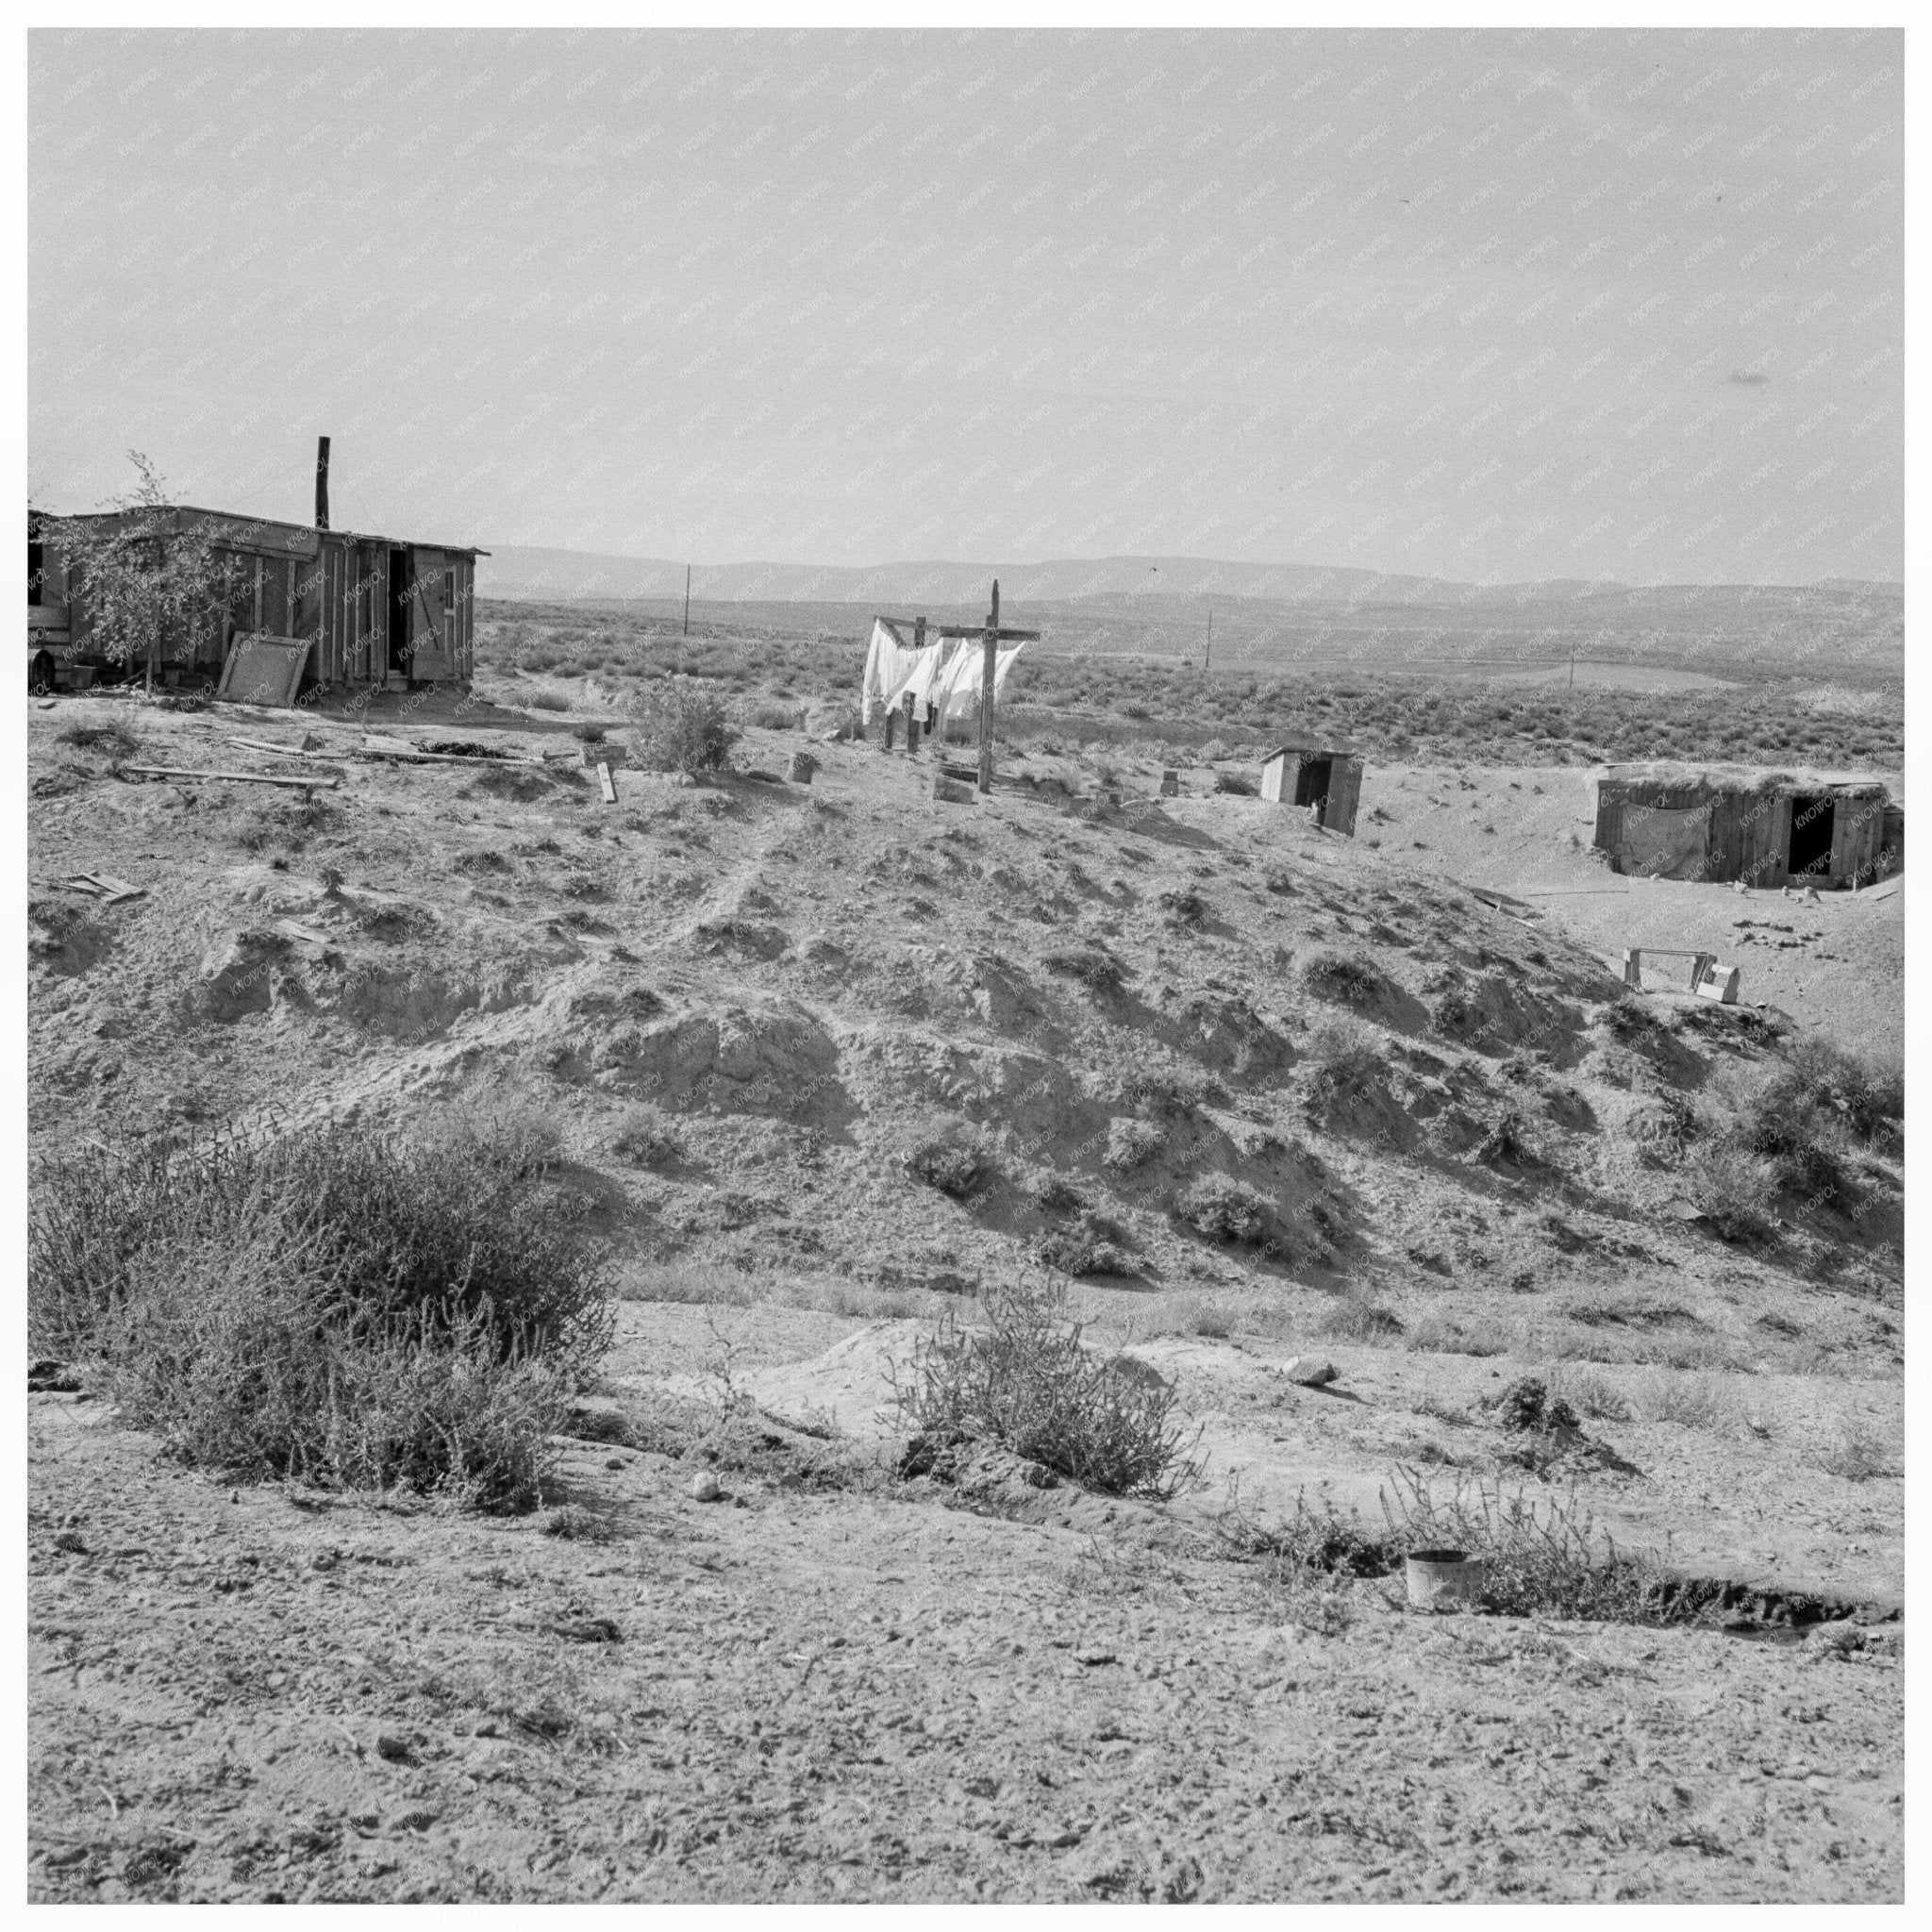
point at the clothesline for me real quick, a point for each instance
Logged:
(949, 683)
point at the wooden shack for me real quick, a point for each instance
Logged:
(1307, 775)
(1737, 824)
(375, 610)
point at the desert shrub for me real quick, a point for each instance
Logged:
(1506, 1142)
(549, 701)
(1626, 1018)
(1858, 1454)
(444, 1270)
(1028, 1381)
(1235, 785)
(114, 739)
(646, 1139)
(1098, 971)
(575, 1523)
(1358, 1320)
(587, 733)
(1131, 1143)
(1667, 1126)
(1058, 1195)
(1185, 907)
(1346, 1061)
(1692, 1400)
(1079, 1251)
(1439, 1334)
(1169, 1091)
(1341, 978)
(1732, 1188)
(1786, 1121)
(1527, 1404)
(776, 717)
(958, 1168)
(1589, 1392)
(243, 1345)
(678, 729)
(1227, 1210)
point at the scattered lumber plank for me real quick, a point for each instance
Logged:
(328, 784)
(304, 935)
(409, 753)
(610, 784)
(99, 885)
(288, 751)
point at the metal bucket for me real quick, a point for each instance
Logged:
(1444, 1577)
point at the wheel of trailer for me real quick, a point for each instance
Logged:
(40, 673)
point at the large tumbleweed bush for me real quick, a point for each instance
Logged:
(1025, 1379)
(679, 726)
(366, 1307)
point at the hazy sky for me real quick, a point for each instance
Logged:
(1494, 305)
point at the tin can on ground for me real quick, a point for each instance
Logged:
(1444, 1577)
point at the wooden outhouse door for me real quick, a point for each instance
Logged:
(1344, 794)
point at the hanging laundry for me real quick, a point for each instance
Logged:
(918, 682)
(966, 673)
(889, 661)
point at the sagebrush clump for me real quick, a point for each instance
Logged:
(678, 727)
(1227, 1210)
(361, 1306)
(1028, 1381)
(1342, 977)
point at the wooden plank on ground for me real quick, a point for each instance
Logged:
(288, 751)
(311, 936)
(328, 784)
(610, 785)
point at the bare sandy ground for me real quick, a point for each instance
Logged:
(255, 1694)
(866, 1689)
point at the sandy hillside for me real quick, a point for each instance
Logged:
(826, 1060)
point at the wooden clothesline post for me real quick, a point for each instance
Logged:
(992, 636)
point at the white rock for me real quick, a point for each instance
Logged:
(706, 1488)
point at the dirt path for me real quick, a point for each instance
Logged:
(253, 1694)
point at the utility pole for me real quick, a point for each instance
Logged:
(687, 600)
(1207, 658)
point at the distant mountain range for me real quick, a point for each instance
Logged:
(528, 575)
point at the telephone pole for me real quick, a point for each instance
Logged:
(1207, 656)
(687, 600)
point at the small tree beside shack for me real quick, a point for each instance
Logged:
(1736, 823)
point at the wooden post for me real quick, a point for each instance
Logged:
(911, 716)
(687, 600)
(322, 483)
(988, 661)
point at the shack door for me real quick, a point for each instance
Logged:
(1345, 792)
(402, 603)
(1812, 820)
(434, 614)
(1312, 781)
